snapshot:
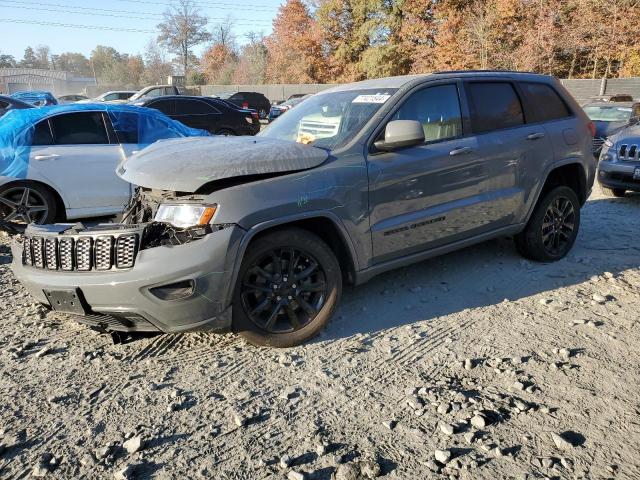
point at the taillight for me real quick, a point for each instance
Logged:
(245, 104)
(592, 128)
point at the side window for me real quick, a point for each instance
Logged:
(82, 128)
(237, 96)
(194, 107)
(165, 106)
(545, 102)
(154, 92)
(126, 126)
(437, 109)
(494, 106)
(111, 97)
(42, 134)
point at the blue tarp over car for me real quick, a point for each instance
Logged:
(134, 125)
(39, 98)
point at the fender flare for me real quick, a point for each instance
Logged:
(547, 173)
(283, 221)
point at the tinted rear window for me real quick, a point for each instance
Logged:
(193, 107)
(494, 106)
(165, 106)
(42, 134)
(80, 128)
(545, 102)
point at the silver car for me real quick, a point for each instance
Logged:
(258, 234)
(619, 166)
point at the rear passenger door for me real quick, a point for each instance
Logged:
(508, 145)
(547, 114)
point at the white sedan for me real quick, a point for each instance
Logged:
(59, 162)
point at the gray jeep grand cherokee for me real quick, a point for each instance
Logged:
(258, 234)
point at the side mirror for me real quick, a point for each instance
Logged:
(401, 133)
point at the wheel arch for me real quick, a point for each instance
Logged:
(60, 204)
(323, 224)
(571, 173)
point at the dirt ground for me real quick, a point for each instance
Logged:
(474, 365)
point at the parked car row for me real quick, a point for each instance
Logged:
(258, 234)
(616, 142)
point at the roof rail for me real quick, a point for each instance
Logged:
(483, 71)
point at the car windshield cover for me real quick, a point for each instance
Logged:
(329, 120)
(608, 114)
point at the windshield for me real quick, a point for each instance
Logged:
(608, 114)
(329, 120)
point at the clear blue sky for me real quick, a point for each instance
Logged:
(248, 15)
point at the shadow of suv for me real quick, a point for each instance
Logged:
(258, 234)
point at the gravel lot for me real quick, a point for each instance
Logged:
(476, 365)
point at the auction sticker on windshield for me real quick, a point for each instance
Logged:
(377, 98)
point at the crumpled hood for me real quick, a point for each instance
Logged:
(185, 164)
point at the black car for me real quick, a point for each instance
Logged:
(211, 114)
(609, 118)
(8, 103)
(253, 100)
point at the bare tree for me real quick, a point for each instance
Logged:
(222, 33)
(182, 29)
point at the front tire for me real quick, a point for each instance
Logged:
(287, 290)
(553, 227)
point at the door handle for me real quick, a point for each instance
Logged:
(460, 151)
(46, 156)
(535, 136)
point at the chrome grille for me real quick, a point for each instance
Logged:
(83, 253)
(629, 153)
(126, 251)
(80, 253)
(65, 251)
(51, 253)
(27, 253)
(104, 253)
(37, 246)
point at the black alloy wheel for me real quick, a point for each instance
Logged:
(553, 227)
(283, 290)
(558, 225)
(288, 287)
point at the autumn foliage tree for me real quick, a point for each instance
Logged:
(294, 47)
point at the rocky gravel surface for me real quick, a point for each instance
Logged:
(475, 365)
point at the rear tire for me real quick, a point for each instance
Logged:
(287, 290)
(553, 227)
(24, 202)
(613, 192)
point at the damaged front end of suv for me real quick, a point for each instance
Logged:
(168, 266)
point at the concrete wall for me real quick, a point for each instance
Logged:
(581, 89)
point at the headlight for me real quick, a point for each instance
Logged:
(185, 215)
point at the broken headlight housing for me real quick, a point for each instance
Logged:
(185, 215)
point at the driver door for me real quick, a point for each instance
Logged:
(423, 196)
